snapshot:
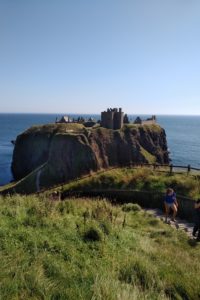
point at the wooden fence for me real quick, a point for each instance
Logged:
(170, 168)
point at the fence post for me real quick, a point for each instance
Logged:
(171, 169)
(188, 169)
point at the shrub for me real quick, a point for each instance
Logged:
(93, 234)
(157, 185)
(131, 207)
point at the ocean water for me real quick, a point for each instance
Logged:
(182, 136)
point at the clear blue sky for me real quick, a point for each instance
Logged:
(82, 56)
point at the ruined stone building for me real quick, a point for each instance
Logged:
(148, 121)
(63, 119)
(112, 118)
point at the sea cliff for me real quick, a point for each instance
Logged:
(57, 153)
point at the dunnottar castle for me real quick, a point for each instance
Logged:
(113, 118)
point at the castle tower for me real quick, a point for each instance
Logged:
(107, 118)
(112, 118)
(118, 119)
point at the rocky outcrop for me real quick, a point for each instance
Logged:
(70, 152)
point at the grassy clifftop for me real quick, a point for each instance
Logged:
(55, 128)
(86, 249)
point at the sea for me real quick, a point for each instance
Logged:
(183, 137)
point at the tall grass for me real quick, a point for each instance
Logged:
(83, 249)
(139, 179)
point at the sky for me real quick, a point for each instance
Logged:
(82, 56)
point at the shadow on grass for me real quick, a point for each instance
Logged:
(193, 242)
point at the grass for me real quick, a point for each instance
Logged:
(145, 127)
(89, 249)
(141, 179)
(149, 157)
(131, 207)
(54, 128)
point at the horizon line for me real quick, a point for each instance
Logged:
(73, 113)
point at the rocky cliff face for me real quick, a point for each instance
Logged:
(67, 152)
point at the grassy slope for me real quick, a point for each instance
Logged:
(141, 179)
(138, 179)
(47, 252)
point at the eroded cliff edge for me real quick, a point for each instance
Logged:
(57, 153)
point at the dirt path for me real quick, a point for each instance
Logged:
(181, 224)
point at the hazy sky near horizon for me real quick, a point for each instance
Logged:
(82, 56)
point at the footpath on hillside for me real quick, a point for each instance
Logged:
(179, 225)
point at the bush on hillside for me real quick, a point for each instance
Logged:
(131, 207)
(155, 185)
(93, 234)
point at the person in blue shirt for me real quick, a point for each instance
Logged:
(170, 203)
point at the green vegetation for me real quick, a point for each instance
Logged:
(131, 207)
(55, 128)
(149, 157)
(141, 179)
(89, 249)
(145, 127)
(26, 185)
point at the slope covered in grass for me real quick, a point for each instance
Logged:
(141, 179)
(84, 249)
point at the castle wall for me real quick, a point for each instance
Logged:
(118, 120)
(112, 118)
(107, 119)
(149, 122)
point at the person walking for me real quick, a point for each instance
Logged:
(196, 228)
(170, 202)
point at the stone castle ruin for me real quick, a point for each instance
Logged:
(112, 118)
(148, 121)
